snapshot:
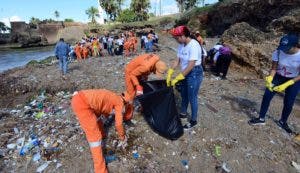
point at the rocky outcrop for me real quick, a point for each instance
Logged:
(251, 47)
(45, 33)
(252, 28)
(25, 35)
(258, 13)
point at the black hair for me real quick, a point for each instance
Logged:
(61, 39)
(186, 32)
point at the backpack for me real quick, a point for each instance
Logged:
(225, 50)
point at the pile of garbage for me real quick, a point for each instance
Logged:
(45, 129)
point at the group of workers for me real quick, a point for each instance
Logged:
(87, 47)
(89, 105)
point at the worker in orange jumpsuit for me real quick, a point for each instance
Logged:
(78, 50)
(133, 42)
(137, 70)
(127, 47)
(85, 51)
(96, 47)
(88, 105)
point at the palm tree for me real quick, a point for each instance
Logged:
(92, 13)
(56, 14)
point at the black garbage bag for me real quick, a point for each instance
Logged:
(159, 109)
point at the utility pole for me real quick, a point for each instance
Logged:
(160, 7)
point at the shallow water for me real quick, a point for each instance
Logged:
(11, 58)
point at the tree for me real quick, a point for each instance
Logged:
(126, 16)
(56, 14)
(185, 5)
(140, 7)
(92, 13)
(111, 7)
(69, 20)
(34, 21)
(3, 27)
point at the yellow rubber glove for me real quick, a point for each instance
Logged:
(177, 79)
(269, 83)
(282, 87)
(169, 76)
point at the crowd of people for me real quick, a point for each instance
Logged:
(190, 62)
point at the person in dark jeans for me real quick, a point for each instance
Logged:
(222, 65)
(222, 60)
(284, 77)
(191, 75)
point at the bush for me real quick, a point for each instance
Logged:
(69, 20)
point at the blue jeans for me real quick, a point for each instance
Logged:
(63, 64)
(288, 102)
(149, 46)
(189, 91)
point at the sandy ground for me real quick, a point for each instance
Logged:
(224, 109)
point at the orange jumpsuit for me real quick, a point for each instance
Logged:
(134, 43)
(85, 52)
(127, 47)
(78, 50)
(139, 68)
(88, 105)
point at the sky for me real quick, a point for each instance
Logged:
(23, 10)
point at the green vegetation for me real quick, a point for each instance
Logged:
(69, 20)
(42, 62)
(3, 27)
(126, 16)
(140, 8)
(152, 22)
(92, 13)
(112, 8)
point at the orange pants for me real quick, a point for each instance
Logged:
(93, 130)
(131, 91)
(78, 55)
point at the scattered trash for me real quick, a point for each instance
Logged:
(297, 138)
(218, 150)
(42, 167)
(58, 165)
(27, 147)
(109, 159)
(135, 154)
(16, 130)
(185, 163)
(11, 146)
(225, 167)
(39, 115)
(36, 157)
(296, 165)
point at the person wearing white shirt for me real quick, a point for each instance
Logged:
(191, 73)
(284, 77)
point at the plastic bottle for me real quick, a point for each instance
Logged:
(27, 147)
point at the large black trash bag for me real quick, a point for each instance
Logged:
(159, 109)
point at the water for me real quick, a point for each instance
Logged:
(11, 58)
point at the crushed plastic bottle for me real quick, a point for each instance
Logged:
(42, 167)
(30, 145)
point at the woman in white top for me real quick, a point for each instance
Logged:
(284, 77)
(191, 73)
